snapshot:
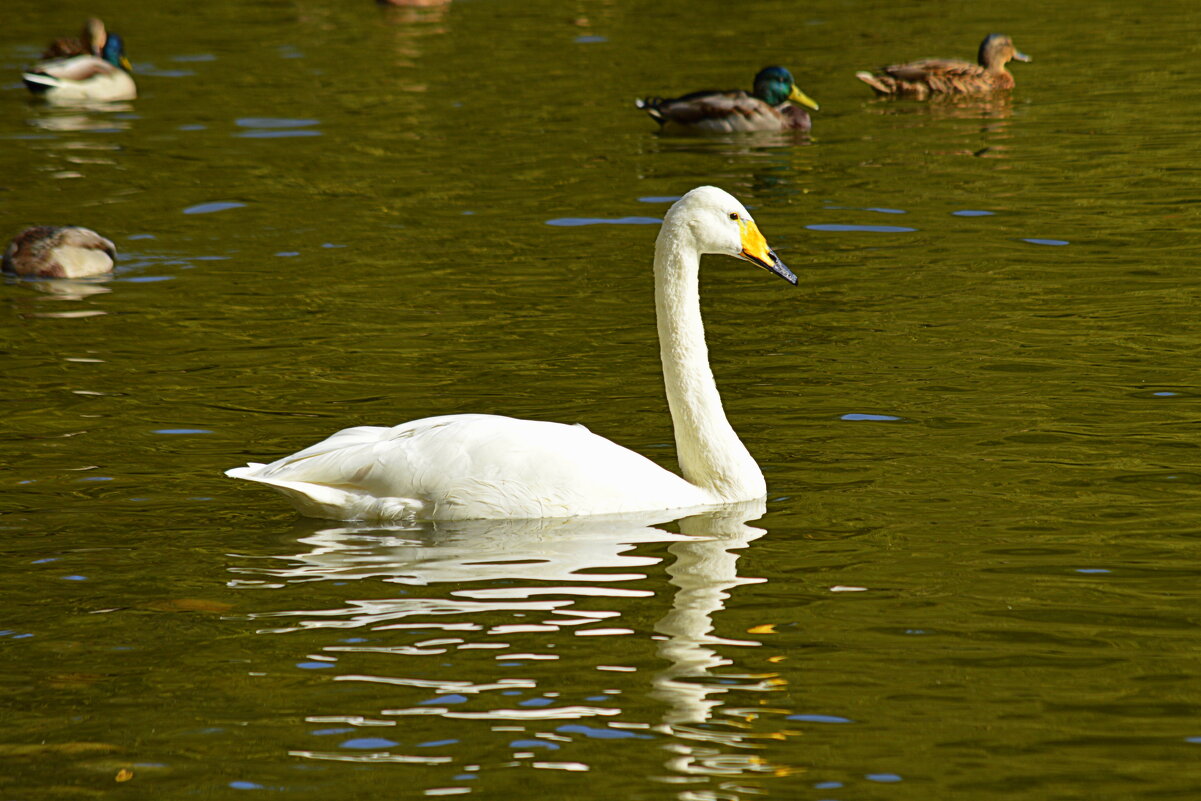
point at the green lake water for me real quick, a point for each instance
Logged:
(976, 575)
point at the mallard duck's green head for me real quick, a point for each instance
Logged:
(997, 50)
(114, 52)
(774, 85)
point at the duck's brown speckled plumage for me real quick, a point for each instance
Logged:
(46, 251)
(920, 79)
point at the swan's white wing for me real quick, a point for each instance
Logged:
(462, 467)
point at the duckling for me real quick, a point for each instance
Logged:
(93, 67)
(765, 108)
(46, 251)
(920, 79)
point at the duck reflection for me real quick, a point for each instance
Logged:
(993, 106)
(76, 138)
(545, 572)
(88, 116)
(411, 24)
(57, 289)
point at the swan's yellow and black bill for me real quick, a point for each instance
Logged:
(756, 251)
(797, 96)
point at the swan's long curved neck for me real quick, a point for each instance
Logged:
(711, 455)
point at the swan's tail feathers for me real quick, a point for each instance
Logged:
(313, 500)
(327, 501)
(874, 82)
(246, 472)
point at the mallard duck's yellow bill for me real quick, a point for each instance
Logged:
(797, 96)
(125, 65)
(756, 251)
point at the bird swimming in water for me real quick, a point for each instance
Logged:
(92, 67)
(46, 251)
(931, 76)
(489, 467)
(767, 107)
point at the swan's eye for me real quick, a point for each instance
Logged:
(733, 215)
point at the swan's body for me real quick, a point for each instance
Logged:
(93, 67)
(471, 466)
(53, 252)
(462, 467)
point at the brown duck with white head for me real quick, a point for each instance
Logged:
(931, 76)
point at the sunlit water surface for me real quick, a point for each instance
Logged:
(976, 573)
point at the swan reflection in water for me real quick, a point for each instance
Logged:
(539, 571)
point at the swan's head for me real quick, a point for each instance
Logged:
(718, 223)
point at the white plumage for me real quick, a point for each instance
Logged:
(80, 78)
(476, 466)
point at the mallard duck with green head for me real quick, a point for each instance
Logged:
(92, 67)
(47, 251)
(929, 76)
(767, 107)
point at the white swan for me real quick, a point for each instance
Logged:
(478, 466)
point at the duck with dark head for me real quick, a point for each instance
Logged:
(767, 107)
(91, 67)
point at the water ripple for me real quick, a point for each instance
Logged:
(209, 208)
(875, 229)
(568, 222)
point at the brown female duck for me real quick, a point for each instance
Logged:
(89, 43)
(766, 107)
(46, 251)
(920, 79)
